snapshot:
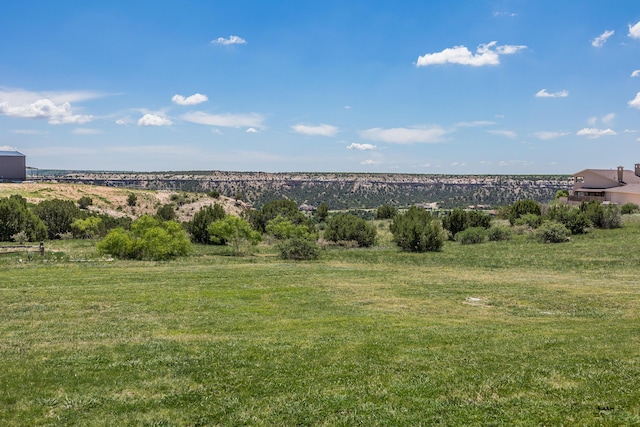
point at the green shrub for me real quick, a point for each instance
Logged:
(57, 215)
(571, 217)
(285, 208)
(629, 208)
(233, 231)
(471, 235)
(386, 212)
(532, 220)
(418, 231)
(498, 233)
(132, 199)
(455, 221)
(149, 239)
(298, 249)
(602, 216)
(16, 217)
(198, 227)
(214, 194)
(523, 207)
(166, 212)
(84, 202)
(282, 228)
(552, 232)
(345, 226)
(322, 212)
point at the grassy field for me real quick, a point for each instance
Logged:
(502, 333)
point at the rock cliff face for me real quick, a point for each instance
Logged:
(342, 190)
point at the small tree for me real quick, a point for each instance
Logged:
(282, 228)
(386, 212)
(88, 228)
(298, 249)
(16, 217)
(346, 227)
(166, 212)
(322, 212)
(523, 207)
(629, 208)
(552, 232)
(472, 235)
(84, 202)
(57, 215)
(455, 222)
(234, 231)
(418, 231)
(132, 199)
(198, 227)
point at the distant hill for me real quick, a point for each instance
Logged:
(339, 190)
(113, 200)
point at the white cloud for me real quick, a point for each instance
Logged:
(229, 41)
(322, 130)
(154, 120)
(544, 94)
(545, 135)
(7, 148)
(194, 99)
(86, 131)
(361, 147)
(476, 123)
(44, 109)
(635, 102)
(251, 120)
(592, 121)
(635, 73)
(602, 38)
(370, 162)
(634, 30)
(505, 133)
(252, 130)
(404, 135)
(28, 132)
(486, 54)
(608, 118)
(593, 133)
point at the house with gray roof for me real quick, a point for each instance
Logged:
(12, 166)
(606, 185)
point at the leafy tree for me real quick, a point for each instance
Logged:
(198, 227)
(571, 217)
(523, 207)
(88, 228)
(282, 228)
(322, 212)
(285, 208)
(477, 219)
(149, 239)
(234, 231)
(57, 215)
(348, 227)
(166, 212)
(386, 212)
(132, 199)
(455, 222)
(16, 218)
(562, 193)
(418, 231)
(84, 202)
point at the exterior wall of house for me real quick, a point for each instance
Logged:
(13, 168)
(594, 180)
(622, 198)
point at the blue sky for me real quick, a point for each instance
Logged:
(462, 87)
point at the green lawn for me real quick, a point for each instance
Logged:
(508, 333)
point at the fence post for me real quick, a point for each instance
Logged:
(41, 248)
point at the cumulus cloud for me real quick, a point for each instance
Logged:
(635, 102)
(486, 54)
(194, 99)
(231, 40)
(602, 38)
(154, 120)
(321, 130)
(635, 73)
(544, 94)
(404, 135)
(634, 30)
(370, 162)
(252, 130)
(361, 147)
(545, 135)
(251, 120)
(86, 131)
(7, 148)
(607, 119)
(593, 133)
(505, 133)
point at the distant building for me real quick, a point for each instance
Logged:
(12, 166)
(606, 185)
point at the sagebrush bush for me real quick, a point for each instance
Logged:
(498, 233)
(523, 207)
(418, 231)
(298, 249)
(552, 232)
(346, 226)
(571, 217)
(629, 208)
(471, 235)
(532, 220)
(602, 216)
